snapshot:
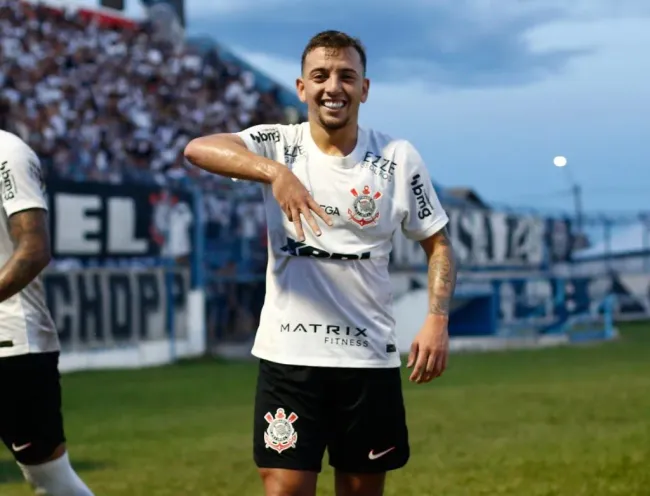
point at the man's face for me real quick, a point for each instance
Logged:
(333, 86)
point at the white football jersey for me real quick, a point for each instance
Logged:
(26, 325)
(328, 299)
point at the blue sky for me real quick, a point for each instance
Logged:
(488, 90)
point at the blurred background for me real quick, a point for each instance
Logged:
(156, 262)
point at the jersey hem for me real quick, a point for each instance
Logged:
(329, 362)
(430, 231)
(25, 349)
(22, 205)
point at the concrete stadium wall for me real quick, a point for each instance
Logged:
(125, 318)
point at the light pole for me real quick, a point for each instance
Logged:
(576, 190)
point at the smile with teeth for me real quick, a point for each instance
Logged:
(333, 104)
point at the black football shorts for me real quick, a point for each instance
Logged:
(31, 422)
(356, 414)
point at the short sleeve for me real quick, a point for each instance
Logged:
(262, 140)
(424, 214)
(22, 182)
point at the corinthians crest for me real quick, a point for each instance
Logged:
(364, 209)
(280, 434)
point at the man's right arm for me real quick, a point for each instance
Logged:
(227, 155)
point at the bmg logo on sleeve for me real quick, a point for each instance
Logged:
(7, 184)
(271, 135)
(425, 208)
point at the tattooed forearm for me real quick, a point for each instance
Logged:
(29, 233)
(442, 275)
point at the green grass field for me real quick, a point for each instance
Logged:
(564, 421)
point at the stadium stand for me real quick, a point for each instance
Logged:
(109, 102)
(109, 106)
(103, 100)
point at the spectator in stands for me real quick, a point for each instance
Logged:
(116, 103)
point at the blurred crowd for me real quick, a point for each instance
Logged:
(117, 103)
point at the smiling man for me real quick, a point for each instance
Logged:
(329, 375)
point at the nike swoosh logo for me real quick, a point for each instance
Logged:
(373, 456)
(20, 448)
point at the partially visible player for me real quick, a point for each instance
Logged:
(329, 375)
(31, 423)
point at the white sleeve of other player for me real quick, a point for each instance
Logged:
(424, 213)
(22, 185)
(262, 140)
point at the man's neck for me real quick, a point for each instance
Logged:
(340, 142)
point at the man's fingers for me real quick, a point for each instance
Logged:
(310, 220)
(420, 366)
(294, 213)
(295, 217)
(313, 205)
(412, 354)
(440, 363)
(430, 371)
(443, 362)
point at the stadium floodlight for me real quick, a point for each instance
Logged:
(576, 190)
(559, 161)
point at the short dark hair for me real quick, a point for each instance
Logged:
(336, 40)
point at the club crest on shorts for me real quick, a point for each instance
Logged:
(364, 209)
(280, 434)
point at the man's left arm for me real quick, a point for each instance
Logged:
(430, 348)
(425, 221)
(30, 236)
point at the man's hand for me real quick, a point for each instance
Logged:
(228, 155)
(429, 351)
(294, 199)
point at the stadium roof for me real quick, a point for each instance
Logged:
(628, 240)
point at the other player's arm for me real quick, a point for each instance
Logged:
(30, 235)
(228, 155)
(23, 202)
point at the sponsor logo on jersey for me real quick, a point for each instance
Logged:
(333, 335)
(272, 135)
(37, 174)
(292, 153)
(353, 331)
(364, 211)
(7, 183)
(280, 435)
(424, 206)
(379, 166)
(299, 249)
(329, 210)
